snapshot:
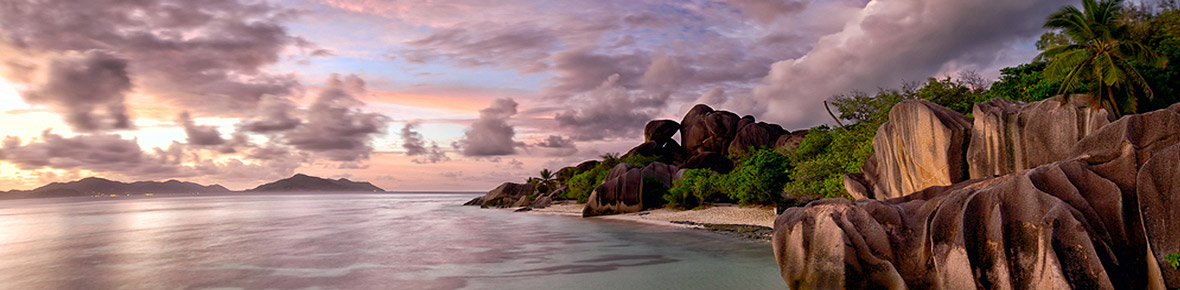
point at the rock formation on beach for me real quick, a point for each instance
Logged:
(707, 135)
(507, 194)
(305, 183)
(1062, 199)
(707, 138)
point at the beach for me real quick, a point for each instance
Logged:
(723, 218)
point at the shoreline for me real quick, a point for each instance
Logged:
(753, 223)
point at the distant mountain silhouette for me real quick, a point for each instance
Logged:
(301, 182)
(94, 185)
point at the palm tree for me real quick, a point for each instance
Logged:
(547, 177)
(1097, 49)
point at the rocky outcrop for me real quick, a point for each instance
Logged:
(755, 135)
(705, 130)
(1103, 218)
(1004, 137)
(922, 145)
(709, 160)
(507, 194)
(666, 150)
(624, 191)
(659, 130)
(791, 140)
(1009, 136)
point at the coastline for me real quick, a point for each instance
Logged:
(755, 223)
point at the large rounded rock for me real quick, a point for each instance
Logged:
(660, 130)
(505, 195)
(709, 160)
(705, 130)
(791, 140)
(1009, 136)
(1103, 219)
(922, 145)
(668, 150)
(586, 166)
(754, 136)
(692, 128)
(624, 191)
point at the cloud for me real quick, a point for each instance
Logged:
(491, 135)
(890, 41)
(610, 111)
(517, 45)
(111, 154)
(336, 129)
(273, 115)
(203, 135)
(415, 145)
(767, 11)
(87, 88)
(205, 55)
(558, 146)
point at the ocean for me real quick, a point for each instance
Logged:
(354, 241)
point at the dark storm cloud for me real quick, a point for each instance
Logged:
(336, 129)
(206, 55)
(87, 88)
(891, 41)
(491, 135)
(415, 145)
(202, 135)
(610, 111)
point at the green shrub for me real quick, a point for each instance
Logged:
(1174, 260)
(758, 178)
(698, 186)
(824, 156)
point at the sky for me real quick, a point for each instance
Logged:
(443, 94)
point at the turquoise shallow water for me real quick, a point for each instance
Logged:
(354, 241)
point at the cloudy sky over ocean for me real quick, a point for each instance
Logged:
(444, 94)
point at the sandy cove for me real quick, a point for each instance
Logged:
(750, 222)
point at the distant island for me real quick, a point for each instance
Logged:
(306, 183)
(92, 186)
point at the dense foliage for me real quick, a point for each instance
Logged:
(757, 179)
(1094, 45)
(823, 158)
(697, 186)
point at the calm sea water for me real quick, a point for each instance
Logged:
(354, 241)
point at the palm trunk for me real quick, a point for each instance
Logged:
(1110, 95)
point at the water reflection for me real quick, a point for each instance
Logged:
(354, 241)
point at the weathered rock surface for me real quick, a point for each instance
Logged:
(705, 130)
(622, 191)
(790, 140)
(709, 160)
(1101, 219)
(507, 194)
(756, 135)
(659, 130)
(922, 145)
(1009, 136)
(667, 150)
